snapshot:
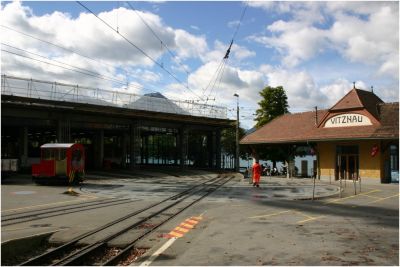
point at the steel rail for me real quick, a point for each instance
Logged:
(61, 211)
(78, 257)
(47, 256)
(115, 259)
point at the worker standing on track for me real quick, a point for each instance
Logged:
(256, 174)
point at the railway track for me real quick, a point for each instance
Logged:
(133, 226)
(37, 214)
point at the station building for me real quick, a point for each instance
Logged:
(357, 138)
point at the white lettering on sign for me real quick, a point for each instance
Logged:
(345, 120)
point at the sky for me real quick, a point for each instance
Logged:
(315, 50)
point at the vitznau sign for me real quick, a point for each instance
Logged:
(346, 120)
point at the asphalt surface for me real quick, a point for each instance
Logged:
(276, 224)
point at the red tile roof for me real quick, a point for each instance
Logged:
(301, 127)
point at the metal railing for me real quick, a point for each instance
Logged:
(32, 88)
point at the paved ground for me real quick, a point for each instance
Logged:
(239, 224)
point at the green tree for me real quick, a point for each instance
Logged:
(273, 104)
(228, 141)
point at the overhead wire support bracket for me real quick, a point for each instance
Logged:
(228, 51)
(221, 67)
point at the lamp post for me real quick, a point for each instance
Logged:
(237, 134)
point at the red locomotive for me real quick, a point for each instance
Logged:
(60, 163)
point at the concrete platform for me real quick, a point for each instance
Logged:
(357, 229)
(239, 225)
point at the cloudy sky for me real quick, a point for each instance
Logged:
(315, 50)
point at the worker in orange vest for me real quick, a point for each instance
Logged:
(256, 174)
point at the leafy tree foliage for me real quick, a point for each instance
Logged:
(228, 141)
(273, 104)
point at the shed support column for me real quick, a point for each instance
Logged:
(124, 156)
(134, 145)
(218, 149)
(24, 146)
(211, 149)
(183, 146)
(64, 131)
(99, 149)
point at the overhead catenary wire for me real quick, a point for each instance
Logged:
(69, 65)
(59, 46)
(227, 53)
(158, 38)
(140, 50)
(212, 78)
(79, 54)
(49, 63)
(67, 68)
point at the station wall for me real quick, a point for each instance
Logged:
(369, 166)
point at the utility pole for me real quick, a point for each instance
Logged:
(237, 134)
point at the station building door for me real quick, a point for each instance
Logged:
(347, 163)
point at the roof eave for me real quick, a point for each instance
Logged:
(320, 140)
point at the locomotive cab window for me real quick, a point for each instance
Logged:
(61, 154)
(48, 154)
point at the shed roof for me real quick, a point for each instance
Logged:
(302, 127)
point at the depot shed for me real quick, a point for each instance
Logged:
(358, 137)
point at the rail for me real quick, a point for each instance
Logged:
(38, 89)
(161, 212)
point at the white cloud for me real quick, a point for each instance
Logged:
(302, 91)
(336, 90)
(237, 54)
(299, 86)
(207, 82)
(296, 41)
(360, 32)
(233, 24)
(189, 45)
(87, 35)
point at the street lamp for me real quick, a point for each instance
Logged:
(237, 134)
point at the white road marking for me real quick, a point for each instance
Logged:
(159, 251)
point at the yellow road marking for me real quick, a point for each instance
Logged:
(49, 204)
(311, 219)
(382, 199)
(268, 215)
(305, 215)
(372, 197)
(197, 218)
(192, 221)
(343, 198)
(187, 225)
(181, 229)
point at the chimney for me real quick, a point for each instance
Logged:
(372, 89)
(316, 115)
(354, 85)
